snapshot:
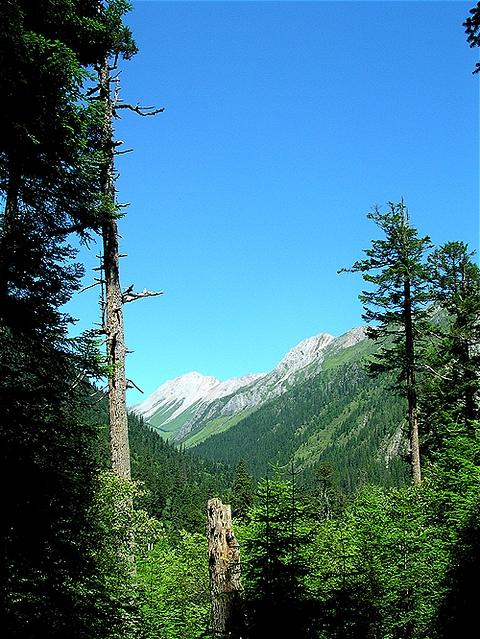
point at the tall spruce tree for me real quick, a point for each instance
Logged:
(395, 309)
(454, 385)
(50, 186)
(243, 493)
(274, 563)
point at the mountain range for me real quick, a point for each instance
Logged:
(178, 407)
(317, 405)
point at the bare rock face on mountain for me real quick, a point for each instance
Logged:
(196, 405)
(309, 351)
(178, 395)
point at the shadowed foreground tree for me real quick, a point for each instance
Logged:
(50, 186)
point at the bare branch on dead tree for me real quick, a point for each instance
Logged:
(99, 331)
(98, 282)
(131, 384)
(128, 296)
(143, 111)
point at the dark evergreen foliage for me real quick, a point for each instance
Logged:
(49, 469)
(472, 24)
(275, 565)
(452, 389)
(242, 492)
(396, 310)
(177, 484)
(55, 583)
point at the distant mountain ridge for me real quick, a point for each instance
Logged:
(318, 405)
(183, 392)
(183, 407)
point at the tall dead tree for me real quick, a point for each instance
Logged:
(225, 572)
(114, 299)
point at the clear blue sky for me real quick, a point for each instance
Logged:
(284, 123)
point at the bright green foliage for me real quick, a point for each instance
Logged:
(174, 586)
(403, 552)
(399, 563)
(344, 589)
(125, 534)
(402, 563)
(273, 556)
(454, 361)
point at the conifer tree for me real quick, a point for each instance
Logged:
(50, 187)
(396, 307)
(242, 491)
(274, 563)
(451, 393)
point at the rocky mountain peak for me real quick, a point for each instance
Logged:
(184, 390)
(308, 351)
(185, 405)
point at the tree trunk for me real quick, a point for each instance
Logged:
(113, 312)
(225, 574)
(410, 378)
(7, 250)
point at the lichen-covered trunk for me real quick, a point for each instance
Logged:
(225, 573)
(411, 387)
(113, 313)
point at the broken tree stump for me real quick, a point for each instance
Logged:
(225, 572)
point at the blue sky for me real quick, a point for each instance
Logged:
(284, 123)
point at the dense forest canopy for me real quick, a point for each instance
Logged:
(91, 553)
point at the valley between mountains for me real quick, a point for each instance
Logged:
(317, 405)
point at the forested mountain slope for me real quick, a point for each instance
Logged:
(341, 416)
(175, 485)
(193, 406)
(317, 405)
